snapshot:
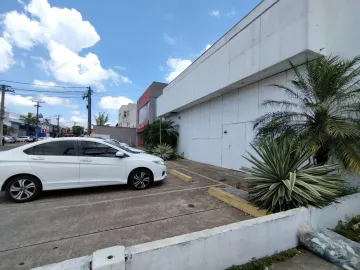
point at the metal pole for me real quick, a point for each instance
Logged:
(160, 129)
(58, 126)
(2, 109)
(89, 110)
(2, 113)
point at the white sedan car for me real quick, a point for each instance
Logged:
(66, 163)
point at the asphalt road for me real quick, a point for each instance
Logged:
(66, 224)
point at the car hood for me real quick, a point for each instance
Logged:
(149, 157)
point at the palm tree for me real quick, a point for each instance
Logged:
(29, 119)
(322, 111)
(101, 119)
(151, 133)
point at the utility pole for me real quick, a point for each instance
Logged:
(37, 115)
(4, 88)
(88, 97)
(58, 126)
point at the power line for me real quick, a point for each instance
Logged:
(45, 91)
(17, 94)
(44, 85)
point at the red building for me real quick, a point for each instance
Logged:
(146, 108)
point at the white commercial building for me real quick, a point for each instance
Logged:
(127, 115)
(216, 99)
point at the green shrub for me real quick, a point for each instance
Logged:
(169, 135)
(149, 148)
(260, 264)
(278, 180)
(350, 228)
(163, 151)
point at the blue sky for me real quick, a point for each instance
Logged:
(116, 47)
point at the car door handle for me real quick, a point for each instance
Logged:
(85, 160)
(37, 158)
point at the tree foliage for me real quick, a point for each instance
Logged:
(101, 119)
(151, 133)
(77, 130)
(8, 130)
(29, 119)
(322, 111)
(278, 180)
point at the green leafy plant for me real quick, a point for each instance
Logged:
(77, 130)
(278, 180)
(151, 133)
(322, 111)
(163, 151)
(260, 264)
(29, 119)
(101, 119)
(350, 228)
(149, 148)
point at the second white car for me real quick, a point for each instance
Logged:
(67, 163)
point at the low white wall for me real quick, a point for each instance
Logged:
(237, 243)
(221, 247)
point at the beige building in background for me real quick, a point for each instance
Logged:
(127, 116)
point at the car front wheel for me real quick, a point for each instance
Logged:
(23, 189)
(140, 178)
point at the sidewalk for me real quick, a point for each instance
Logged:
(305, 261)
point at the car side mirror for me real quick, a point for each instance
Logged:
(120, 154)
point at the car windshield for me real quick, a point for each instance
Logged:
(122, 147)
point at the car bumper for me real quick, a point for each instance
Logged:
(160, 173)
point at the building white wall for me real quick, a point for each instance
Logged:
(223, 89)
(131, 113)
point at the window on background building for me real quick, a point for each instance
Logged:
(124, 113)
(144, 113)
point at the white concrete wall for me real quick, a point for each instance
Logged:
(238, 243)
(261, 44)
(273, 32)
(201, 128)
(220, 247)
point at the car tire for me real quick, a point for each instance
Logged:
(22, 189)
(141, 178)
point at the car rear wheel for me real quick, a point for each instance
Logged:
(23, 189)
(140, 178)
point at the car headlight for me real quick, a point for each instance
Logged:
(160, 162)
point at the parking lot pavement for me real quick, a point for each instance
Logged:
(72, 223)
(8, 146)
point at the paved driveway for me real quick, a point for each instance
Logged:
(71, 223)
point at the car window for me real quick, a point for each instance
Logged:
(122, 147)
(62, 148)
(95, 149)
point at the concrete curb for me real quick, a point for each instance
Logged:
(236, 202)
(181, 176)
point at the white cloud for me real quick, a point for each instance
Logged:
(207, 47)
(57, 101)
(64, 33)
(43, 84)
(169, 40)
(19, 100)
(22, 64)
(62, 25)
(176, 67)
(75, 112)
(215, 13)
(6, 55)
(231, 13)
(79, 120)
(118, 67)
(69, 67)
(113, 103)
